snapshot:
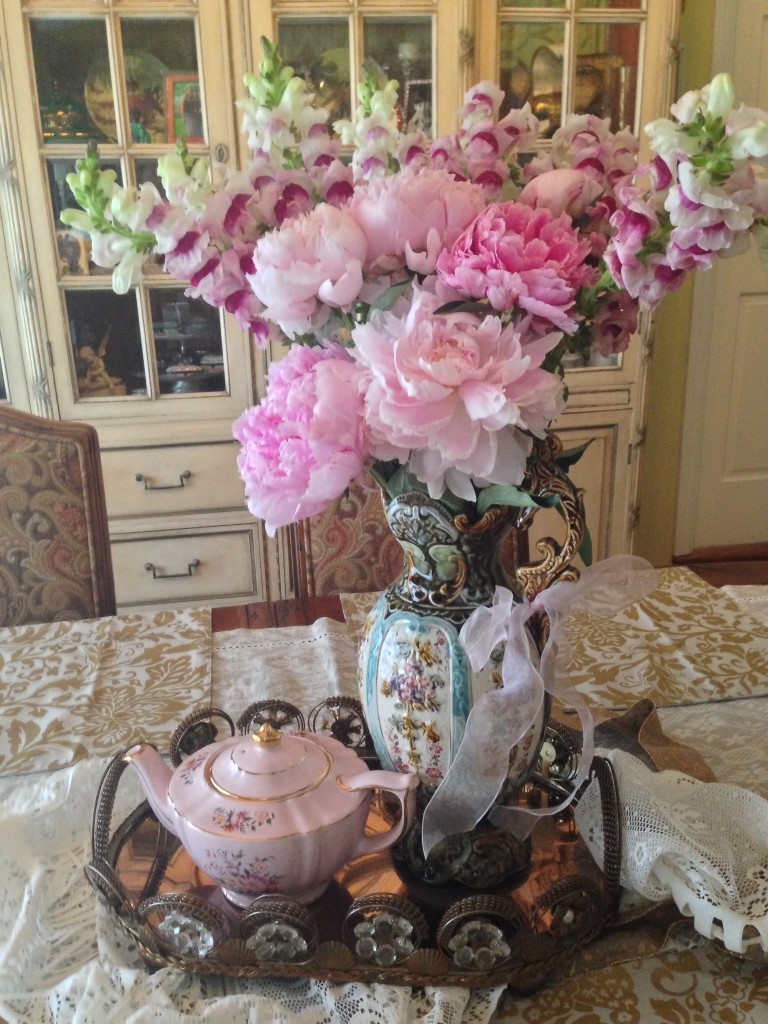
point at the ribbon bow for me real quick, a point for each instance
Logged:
(501, 718)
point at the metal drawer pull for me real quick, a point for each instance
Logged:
(183, 477)
(171, 575)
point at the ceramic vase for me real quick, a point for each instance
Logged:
(416, 684)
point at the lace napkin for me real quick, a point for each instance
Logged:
(705, 844)
(76, 689)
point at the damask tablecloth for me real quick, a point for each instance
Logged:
(72, 690)
(63, 960)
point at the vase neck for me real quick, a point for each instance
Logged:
(449, 560)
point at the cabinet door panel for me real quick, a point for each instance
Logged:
(136, 81)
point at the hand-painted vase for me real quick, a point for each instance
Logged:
(416, 683)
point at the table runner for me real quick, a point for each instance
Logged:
(71, 690)
(299, 664)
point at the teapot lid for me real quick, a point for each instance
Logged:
(268, 765)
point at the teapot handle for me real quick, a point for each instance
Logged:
(400, 785)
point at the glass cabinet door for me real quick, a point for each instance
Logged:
(133, 79)
(571, 56)
(327, 43)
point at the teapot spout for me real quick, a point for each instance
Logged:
(154, 776)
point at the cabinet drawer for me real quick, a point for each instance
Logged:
(185, 568)
(176, 478)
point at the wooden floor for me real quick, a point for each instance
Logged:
(734, 565)
(739, 573)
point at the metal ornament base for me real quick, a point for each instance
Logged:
(376, 921)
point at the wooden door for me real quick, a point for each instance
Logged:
(723, 494)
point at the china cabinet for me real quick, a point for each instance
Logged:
(162, 375)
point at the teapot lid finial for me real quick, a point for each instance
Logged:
(267, 734)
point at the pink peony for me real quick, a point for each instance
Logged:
(303, 444)
(311, 263)
(409, 217)
(517, 257)
(452, 395)
(562, 191)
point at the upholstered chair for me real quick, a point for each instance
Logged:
(348, 548)
(55, 562)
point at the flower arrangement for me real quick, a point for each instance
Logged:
(429, 291)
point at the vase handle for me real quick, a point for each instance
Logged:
(546, 477)
(400, 785)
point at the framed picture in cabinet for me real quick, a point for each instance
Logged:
(417, 103)
(184, 108)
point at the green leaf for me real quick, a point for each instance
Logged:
(389, 297)
(462, 306)
(499, 494)
(585, 548)
(572, 456)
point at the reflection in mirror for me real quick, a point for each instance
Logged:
(188, 343)
(531, 68)
(318, 51)
(606, 76)
(162, 79)
(107, 354)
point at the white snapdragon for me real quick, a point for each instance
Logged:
(132, 208)
(751, 141)
(719, 96)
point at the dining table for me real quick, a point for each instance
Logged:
(693, 658)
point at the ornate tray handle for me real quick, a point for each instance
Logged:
(546, 477)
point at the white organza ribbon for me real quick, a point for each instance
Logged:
(501, 718)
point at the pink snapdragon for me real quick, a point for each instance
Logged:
(410, 217)
(221, 282)
(614, 323)
(483, 148)
(637, 256)
(309, 265)
(586, 143)
(304, 443)
(521, 259)
(454, 395)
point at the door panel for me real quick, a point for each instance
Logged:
(724, 475)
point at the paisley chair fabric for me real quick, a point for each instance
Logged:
(349, 549)
(55, 562)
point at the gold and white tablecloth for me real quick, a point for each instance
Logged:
(62, 960)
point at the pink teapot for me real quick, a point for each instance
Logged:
(271, 812)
